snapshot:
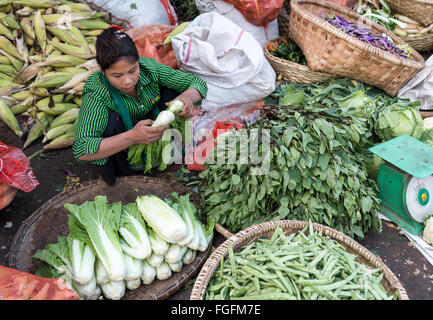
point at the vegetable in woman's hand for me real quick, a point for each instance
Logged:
(145, 133)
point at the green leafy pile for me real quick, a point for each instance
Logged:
(315, 173)
(288, 50)
(186, 10)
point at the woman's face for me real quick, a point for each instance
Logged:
(123, 75)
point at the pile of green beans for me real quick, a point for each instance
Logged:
(299, 266)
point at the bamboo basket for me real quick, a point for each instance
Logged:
(418, 10)
(50, 221)
(332, 51)
(266, 229)
(423, 43)
(294, 72)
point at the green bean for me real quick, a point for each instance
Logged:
(268, 296)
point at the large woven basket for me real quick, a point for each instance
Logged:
(418, 10)
(331, 50)
(266, 229)
(423, 43)
(50, 221)
(294, 72)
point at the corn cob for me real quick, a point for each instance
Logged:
(52, 80)
(38, 4)
(61, 142)
(21, 95)
(8, 69)
(25, 11)
(56, 132)
(50, 101)
(63, 61)
(22, 48)
(39, 28)
(93, 32)
(18, 64)
(26, 26)
(8, 47)
(4, 2)
(66, 117)
(19, 108)
(8, 33)
(4, 60)
(7, 87)
(6, 77)
(76, 33)
(74, 7)
(41, 92)
(6, 8)
(73, 50)
(63, 35)
(91, 24)
(29, 73)
(9, 118)
(76, 80)
(39, 127)
(72, 70)
(9, 21)
(58, 108)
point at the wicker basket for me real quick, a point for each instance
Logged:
(294, 72)
(423, 43)
(266, 229)
(51, 220)
(418, 10)
(331, 50)
(283, 23)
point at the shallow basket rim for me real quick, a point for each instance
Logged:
(213, 261)
(295, 7)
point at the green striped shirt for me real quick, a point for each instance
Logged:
(97, 102)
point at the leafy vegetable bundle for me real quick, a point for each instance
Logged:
(302, 266)
(112, 247)
(315, 173)
(380, 41)
(286, 49)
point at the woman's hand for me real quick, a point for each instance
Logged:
(143, 133)
(188, 97)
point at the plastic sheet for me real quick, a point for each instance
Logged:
(258, 12)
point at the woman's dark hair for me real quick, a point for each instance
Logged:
(111, 45)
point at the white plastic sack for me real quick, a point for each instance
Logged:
(262, 34)
(135, 13)
(420, 87)
(227, 58)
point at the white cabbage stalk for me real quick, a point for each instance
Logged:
(83, 262)
(164, 118)
(176, 267)
(158, 245)
(149, 273)
(175, 106)
(114, 290)
(203, 241)
(195, 242)
(163, 219)
(175, 253)
(134, 267)
(187, 210)
(87, 290)
(155, 260)
(189, 256)
(133, 231)
(101, 273)
(163, 271)
(101, 222)
(133, 284)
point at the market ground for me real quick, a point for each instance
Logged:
(396, 251)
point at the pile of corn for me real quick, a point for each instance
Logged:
(47, 51)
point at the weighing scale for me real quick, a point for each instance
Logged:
(406, 182)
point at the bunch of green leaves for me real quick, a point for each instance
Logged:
(315, 173)
(356, 99)
(288, 50)
(186, 10)
(151, 155)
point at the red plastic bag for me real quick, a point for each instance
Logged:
(15, 169)
(149, 39)
(18, 285)
(258, 12)
(196, 156)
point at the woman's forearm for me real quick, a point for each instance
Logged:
(110, 146)
(193, 94)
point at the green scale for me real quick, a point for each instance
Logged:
(406, 182)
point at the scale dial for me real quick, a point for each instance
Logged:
(419, 201)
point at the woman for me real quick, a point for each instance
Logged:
(120, 101)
